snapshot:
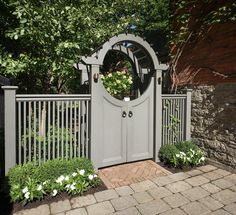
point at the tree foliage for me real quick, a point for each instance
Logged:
(41, 40)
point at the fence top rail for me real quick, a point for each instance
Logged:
(52, 97)
(174, 96)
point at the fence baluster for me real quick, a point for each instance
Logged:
(29, 140)
(49, 130)
(35, 132)
(66, 130)
(53, 129)
(19, 131)
(71, 149)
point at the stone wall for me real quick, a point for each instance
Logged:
(214, 121)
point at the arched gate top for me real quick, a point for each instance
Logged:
(140, 48)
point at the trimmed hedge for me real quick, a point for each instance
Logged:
(47, 171)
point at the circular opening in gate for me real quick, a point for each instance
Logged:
(122, 74)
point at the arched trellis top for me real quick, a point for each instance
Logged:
(97, 57)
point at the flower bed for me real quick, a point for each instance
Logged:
(182, 154)
(30, 182)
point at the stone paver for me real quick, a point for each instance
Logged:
(178, 186)
(159, 192)
(211, 203)
(42, 209)
(223, 183)
(207, 168)
(212, 176)
(194, 172)
(222, 172)
(60, 206)
(101, 208)
(129, 211)
(143, 186)
(162, 181)
(124, 191)
(231, 178)
(154, 207)
(195, 208)
(176, 200)
(142, 197)
(233, 188)
(211, 188)
(123, 202)
(78, 211)
(179, 176)
(197, 180)
(106, 195)
(195, 193)
(225, 196)
(231, 208)
(82, 201)
(219, 212)
(175, 211)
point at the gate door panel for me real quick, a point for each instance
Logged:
(114, 132)
(140, 126)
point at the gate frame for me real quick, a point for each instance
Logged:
(96, 60)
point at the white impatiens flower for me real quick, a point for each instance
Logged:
(90, 177)
(45, 182)
(67, 186)
(74, 174)
(177, 155)
(27, 194)
(118, 81)
(72, 186)
(81, 172)
(109, 75)
(40, 187)
(25, 190)
(60, 179)
(54, 192)
(95, 176)
(67, 178)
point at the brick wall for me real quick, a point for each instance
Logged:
(211, 59)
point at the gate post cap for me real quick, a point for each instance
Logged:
(10, 87)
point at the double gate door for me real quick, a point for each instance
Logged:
(124, 129)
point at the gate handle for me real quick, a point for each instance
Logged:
(123, 114)
(130, 114)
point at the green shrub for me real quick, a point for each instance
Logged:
(167, 152)
(185, 146)
(29, 182)
(181, 154)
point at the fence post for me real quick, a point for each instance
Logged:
(188, 114)
(10, 126)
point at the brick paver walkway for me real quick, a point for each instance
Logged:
(205, 190)
(130, 173)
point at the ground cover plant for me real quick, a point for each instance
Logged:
(181, 154)
(29, 182)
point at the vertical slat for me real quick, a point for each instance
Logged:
(53, 130)
(82, 128)
(24, 121)
(182, 118)
(67, 130)
(44, 131)
(58, 129)
(29, 140)
(19, 132)
(62, 132)
(49, 130)
(79, 129)
(87, 128)
(40, 132)
(71, 149)
(35, 131)
(75, 128)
